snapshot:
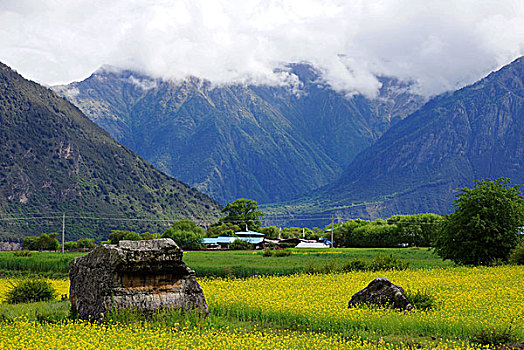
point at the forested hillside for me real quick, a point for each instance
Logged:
(265, 143)
(54, 160)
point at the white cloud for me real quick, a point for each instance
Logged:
(440, 44)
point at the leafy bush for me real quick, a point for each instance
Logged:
(281, 252)
(43, 242)
(149, 235)
(267, 252)
(132, 236)
(70, 246)
(22, 253)
(276, 253)
(421, 300)
(356, 265)
(239, 244)
(88, 243)
(387, 262)
(494, 336)
(517, 255)
(117, 235)
(32, 290)
(186, 234)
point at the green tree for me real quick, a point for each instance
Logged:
(243, 213)
(132, 236)
(87, 243)
(117, 235)
(149, 235)
(270, 232)
(485, 224)
(186, 234)
(69, 246)
(418, 229)
(239, 244)
(221, 229)
(43, 242)
(345, 232)
(188, 226)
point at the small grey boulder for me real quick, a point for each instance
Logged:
(383, 293)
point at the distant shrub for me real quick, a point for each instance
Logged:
(43, 242)
(87, 243)
(117, 235)
(496, 262)
(239, 244)
(132, 236)
(276, 253)
(281, 252)
(421, 300)
(356, 265)
(149, 235)
(32, 290)
(70, 245)
(517, 255)
(387, 262)
(22, 253)
(186, 234)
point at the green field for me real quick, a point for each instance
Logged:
(237, 263)
(295, 311)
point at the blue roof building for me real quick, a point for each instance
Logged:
(250, 237)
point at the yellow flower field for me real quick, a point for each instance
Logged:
(80, 335)
(467, 300)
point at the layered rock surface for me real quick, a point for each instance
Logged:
(144, 275)
(382, 292)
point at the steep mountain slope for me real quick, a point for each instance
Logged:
(53, 159)
(416, 166)
(265, 143)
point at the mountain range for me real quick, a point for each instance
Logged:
(336, 155)
(417, 165)
(54, 160)
(261, 142)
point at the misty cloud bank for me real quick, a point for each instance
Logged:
(440, 45)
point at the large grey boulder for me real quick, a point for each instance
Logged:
(144, 275)
(383, 293)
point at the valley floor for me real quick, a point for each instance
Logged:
(299, 311)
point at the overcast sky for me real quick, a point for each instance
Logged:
(439, 44)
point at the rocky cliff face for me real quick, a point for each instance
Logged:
(418, 164)
(54, 159)
(265, 143)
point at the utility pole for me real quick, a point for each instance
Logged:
(63, 232)
(332, 229)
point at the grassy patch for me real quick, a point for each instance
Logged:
(38, 311)
(39, 263)
(239, 263)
